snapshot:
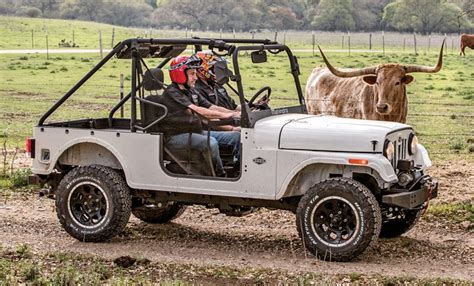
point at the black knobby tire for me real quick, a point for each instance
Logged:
(155, 214)
(93, 203)
(398, 226)
(338, 219)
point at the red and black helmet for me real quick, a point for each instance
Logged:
(180, 64)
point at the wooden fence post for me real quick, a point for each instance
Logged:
(414, 41)
(383, 42)
(113, 37)
(404, 41)
(100, 45)
(314, 41)
(349, 42)
(429, 42)
(47, 45)
(233, 31)
(370, 41)
(32, 38)
(276, 36)
(220, 33)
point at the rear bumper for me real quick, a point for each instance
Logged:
(414, 199)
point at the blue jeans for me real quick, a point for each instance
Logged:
(199, 142)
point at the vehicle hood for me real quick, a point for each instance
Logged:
(326, 133)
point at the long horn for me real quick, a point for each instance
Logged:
(416, 68)
(351, 73)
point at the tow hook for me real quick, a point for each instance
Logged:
(46, 193)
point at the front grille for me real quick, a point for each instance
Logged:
(401, 151)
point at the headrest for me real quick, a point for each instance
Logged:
(153, 79)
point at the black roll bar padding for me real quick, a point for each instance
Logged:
(133, 110)
(146, 101)
(116, 49)
(126, 98)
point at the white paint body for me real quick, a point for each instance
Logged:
(288, 143)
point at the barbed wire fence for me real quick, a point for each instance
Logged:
(303, 41)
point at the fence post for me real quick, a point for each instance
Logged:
(113, 37)
(47, 45)
(73, 38)
(429, 42)
(186, 33)
(191, 33)
(349, 42)
(32, 38)
(383, 42)
(220, 33)
(276, 36)
(342, 42)
(314, 41)
(414, 41)
(404, 41)
(445, 44)
(370, 41)
(253, 34)
(100, 44)
(121, 93)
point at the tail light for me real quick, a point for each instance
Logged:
(30, 147)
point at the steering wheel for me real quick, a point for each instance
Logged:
(257, 94)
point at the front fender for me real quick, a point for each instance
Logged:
(376, 162)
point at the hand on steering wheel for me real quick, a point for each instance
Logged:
(262, 103)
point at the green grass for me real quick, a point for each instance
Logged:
(440, 105)
(453, 213)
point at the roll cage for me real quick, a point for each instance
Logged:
(137, 49)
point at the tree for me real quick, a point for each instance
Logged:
(425, 16)
(334, 15)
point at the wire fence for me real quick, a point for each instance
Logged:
(379, 41)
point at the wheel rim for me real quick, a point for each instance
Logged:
(88, 205)
(335, 221)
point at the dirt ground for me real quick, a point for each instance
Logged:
(265, 239)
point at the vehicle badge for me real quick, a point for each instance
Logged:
(259, 160)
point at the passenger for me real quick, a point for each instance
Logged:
(184, 105)
(207, 86)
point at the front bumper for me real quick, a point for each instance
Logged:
(428, 189)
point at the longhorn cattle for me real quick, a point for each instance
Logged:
(466, 41)
(376, 93)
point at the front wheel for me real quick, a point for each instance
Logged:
(93, 203)
(338, 219)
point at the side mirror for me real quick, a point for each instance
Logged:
(258, 57)
(222, 72)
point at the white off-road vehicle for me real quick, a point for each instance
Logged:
(348, 181)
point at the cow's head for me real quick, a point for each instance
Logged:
(388, 81)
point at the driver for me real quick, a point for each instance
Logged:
(184, 105)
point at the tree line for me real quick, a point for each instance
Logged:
(422, 16)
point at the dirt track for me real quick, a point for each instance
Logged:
(266, 239)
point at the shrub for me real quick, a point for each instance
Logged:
(19, 178)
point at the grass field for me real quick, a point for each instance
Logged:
(440, 105)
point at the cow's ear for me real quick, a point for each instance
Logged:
(370, 79)
(407, 79)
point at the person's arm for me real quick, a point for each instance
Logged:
(221, 109)
(209, 113)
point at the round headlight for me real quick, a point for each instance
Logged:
(412, 144)
(388, 150)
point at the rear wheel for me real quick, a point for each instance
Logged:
(338, 219)
(156, 214)
(93, 203)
